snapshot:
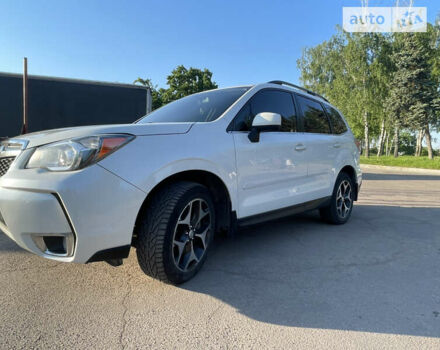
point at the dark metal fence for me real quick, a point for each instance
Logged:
(57, 103)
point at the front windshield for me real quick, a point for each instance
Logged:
(202, 107)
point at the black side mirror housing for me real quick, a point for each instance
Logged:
(254, 135)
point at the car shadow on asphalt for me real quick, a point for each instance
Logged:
(378, 273)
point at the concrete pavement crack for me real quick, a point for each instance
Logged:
(211, 315)
(124, 314)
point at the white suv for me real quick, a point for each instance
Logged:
(205, 163)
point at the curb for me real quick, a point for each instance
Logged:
(401, 169)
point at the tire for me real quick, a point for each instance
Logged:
(176, 232)
(341, 202)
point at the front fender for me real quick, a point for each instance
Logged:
(149, 160)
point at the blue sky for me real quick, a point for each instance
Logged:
(241, 42)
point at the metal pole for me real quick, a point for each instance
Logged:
(25, 97)
(149, 102)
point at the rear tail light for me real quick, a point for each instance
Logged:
(358, 145)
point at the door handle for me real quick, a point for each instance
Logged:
(337, 145)
(300, 147)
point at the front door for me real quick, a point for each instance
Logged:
(271, 173)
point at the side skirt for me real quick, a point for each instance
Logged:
(283, 212)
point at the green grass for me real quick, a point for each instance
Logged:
(403, 161)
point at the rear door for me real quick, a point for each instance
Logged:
(342, 140)
(270, 173)
(318, 141)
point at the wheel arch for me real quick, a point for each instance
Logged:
(218, 189)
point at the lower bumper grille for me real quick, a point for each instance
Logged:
(61, 245)
(5, 164)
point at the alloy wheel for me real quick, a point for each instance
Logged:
(344, 199)
(191, 234)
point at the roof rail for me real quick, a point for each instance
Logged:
(280, 82)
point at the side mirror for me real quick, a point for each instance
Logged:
(265, 121)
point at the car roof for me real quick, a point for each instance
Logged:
(278, 84)
(295, 88)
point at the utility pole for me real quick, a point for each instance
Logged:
(24, 129)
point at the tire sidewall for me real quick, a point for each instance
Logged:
(175, 274)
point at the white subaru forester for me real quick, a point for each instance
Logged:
(166, 184)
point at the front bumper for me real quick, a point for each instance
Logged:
(27, 216)
(89, 210)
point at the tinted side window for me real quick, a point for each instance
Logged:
(268, 101)
(243, 119)
(338, 124)
(315, 119)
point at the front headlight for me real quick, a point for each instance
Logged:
(76, 154)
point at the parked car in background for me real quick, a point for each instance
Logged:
(166, 184)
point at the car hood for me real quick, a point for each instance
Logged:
(49, 136)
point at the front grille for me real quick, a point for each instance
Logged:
(5, 163)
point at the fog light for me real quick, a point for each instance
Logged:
(57, 245)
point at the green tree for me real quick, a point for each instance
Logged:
(156, 94)
(382, 83)
(352, 71)
(414, 99)
(181, 82)
(434, 42)
(434, 32)
(407, 142)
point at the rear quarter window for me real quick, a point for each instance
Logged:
(315, 119)
(338, 125)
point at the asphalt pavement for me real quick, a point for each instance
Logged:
(291, 283)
